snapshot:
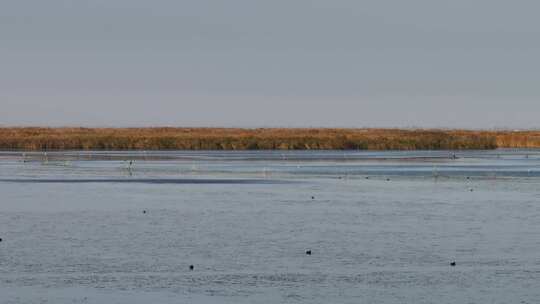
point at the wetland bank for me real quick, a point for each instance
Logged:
(37, 139)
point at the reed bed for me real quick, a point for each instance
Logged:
(40, 139)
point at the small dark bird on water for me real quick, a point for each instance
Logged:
(367, 177)
(191, 267)
(387, 179)
(453, 264)
(144, 211)
(0, 239)
(308, 252)
(313, 197)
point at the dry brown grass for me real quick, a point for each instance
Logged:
(257, 139)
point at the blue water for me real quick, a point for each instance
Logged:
(383, 227)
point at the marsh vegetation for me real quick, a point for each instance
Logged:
(35, 139)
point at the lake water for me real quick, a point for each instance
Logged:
(383, 227)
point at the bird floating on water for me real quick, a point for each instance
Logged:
(308, 252)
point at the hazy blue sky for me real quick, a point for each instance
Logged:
(426, 63)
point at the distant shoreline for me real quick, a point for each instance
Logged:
(45, 139)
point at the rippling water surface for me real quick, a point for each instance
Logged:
(383, 227)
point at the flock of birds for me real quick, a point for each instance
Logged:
(308, 252)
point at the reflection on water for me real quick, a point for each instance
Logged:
(227, 181)
(383, 227)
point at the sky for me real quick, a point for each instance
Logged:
(274, 63)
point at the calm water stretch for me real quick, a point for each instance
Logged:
(382, 227)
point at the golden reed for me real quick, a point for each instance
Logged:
(38, 139)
